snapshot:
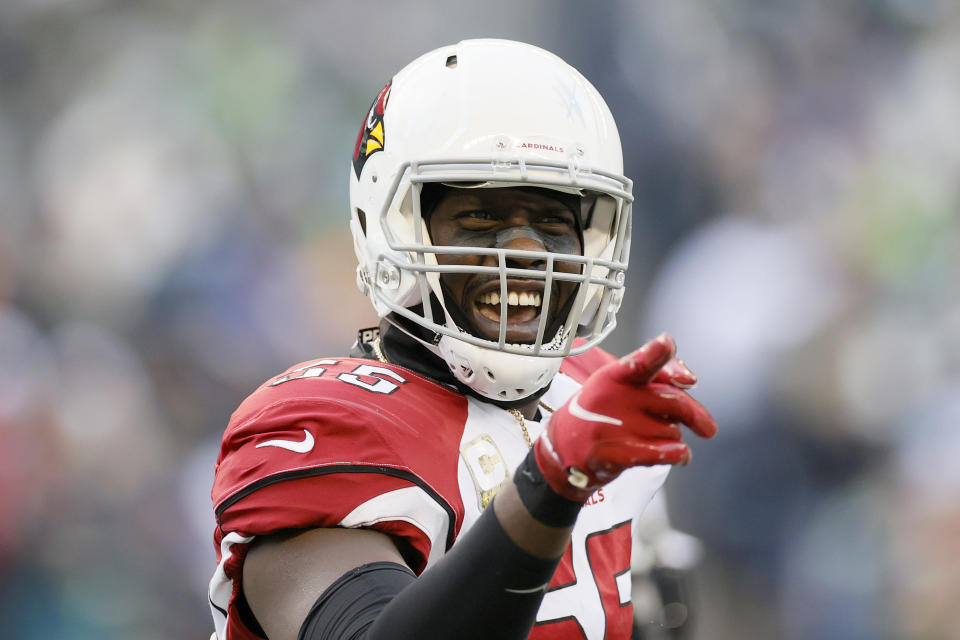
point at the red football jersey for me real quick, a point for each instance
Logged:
(345, 442)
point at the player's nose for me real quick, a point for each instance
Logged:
(523, 238)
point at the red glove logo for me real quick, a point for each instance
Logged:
(627, 414)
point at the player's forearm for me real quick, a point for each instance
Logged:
(485, 572)
(525, 531)
(486, 567)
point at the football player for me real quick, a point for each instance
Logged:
(474, 467)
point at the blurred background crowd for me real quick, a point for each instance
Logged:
(173, 231)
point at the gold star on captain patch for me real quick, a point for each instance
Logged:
(487, 463)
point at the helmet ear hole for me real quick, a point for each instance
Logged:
(489, 374)
(451, 62)
(362, 217)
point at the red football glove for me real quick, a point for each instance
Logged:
(628, 413)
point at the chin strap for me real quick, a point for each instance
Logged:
(404, 346)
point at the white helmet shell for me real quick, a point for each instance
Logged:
(489, 113)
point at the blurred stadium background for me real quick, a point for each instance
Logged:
(173, 231)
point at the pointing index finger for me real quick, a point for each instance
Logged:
(642, 365)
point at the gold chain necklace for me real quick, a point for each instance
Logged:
(523, 426)
(523, 422)
(378, 351)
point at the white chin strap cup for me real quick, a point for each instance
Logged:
(497, 375)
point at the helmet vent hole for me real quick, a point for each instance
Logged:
(362, 216)
(452, 62)
(519, 392)
(490, 375)
(502, 394)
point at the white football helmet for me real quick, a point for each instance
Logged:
(487, 114)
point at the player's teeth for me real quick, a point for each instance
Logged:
(514, 298)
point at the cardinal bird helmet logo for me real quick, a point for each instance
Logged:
(371, 136)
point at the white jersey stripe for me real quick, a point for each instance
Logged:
(624, 583)
(410, 504)
(221, 587)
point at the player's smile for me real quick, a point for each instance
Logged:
(508, 218)
(524, 303)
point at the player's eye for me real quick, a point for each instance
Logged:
(557, 221)
(476, 218)
(477, 213)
